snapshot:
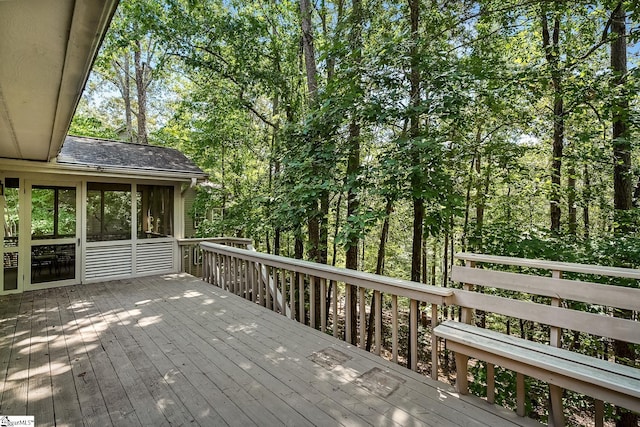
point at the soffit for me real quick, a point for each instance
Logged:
(46, 53)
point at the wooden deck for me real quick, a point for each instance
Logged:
(173, 350)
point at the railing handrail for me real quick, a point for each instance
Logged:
(404, 288)
(234, 240)
(629, 273)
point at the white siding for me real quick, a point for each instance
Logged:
(108, 261)
(154, 257)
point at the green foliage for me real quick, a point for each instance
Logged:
(231, 93)
(91, 127)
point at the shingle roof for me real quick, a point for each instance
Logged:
(107, 154)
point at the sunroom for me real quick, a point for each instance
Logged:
(101, 210)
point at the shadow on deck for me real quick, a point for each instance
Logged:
(173, 350)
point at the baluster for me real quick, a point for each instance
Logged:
(323, 304)
(227, 273)
(377, 298)
(283, 280)
(599, 409)
(255, 274)
(394, 328)
(292, 295)
(520, 394)
(301, 312)
(555, 340)
(261, 273)
(434, 342)
(414, 334)
(312, 301)
(204, 275)
(218, 271)
(213, 267)
(335, 308)
(491, 383)
(270, 282)
(238, 267)
(362, 318)
(245, 278)
(186, 269)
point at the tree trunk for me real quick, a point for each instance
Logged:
(414, 133)
(467, 205)
(353, 163)
(586, 197)
(622, 186)
(480, 203)
(313, 212)
(309, 50)
(572, 219)
(552, 53)
(126, 95)
(384, 236)
(141, 88)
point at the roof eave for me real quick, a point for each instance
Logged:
(98, 171)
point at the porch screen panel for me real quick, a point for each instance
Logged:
(11, 228)
(108, 212)
(155, 211)
(53, 212)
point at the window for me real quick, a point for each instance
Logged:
(155, 211)
(53, 212)
(108, 212)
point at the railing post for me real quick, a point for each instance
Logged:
(556, 415)
(347, 313)
(413, 328)
(467, 313)
(434, 342)
(462, 360)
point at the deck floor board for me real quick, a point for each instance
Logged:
(173, 350)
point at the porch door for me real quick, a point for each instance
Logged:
(9, 203)
(54, 239)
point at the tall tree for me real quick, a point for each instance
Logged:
(622, 179)
(353, 156)
(551, 45)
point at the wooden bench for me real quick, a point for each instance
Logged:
(559, 367)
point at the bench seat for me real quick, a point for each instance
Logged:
(604, 380)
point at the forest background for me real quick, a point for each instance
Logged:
(386, 136)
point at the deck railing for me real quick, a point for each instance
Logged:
(191, 252)
(320, 296)
(581, 304)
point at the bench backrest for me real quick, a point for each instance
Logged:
(556, 288)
